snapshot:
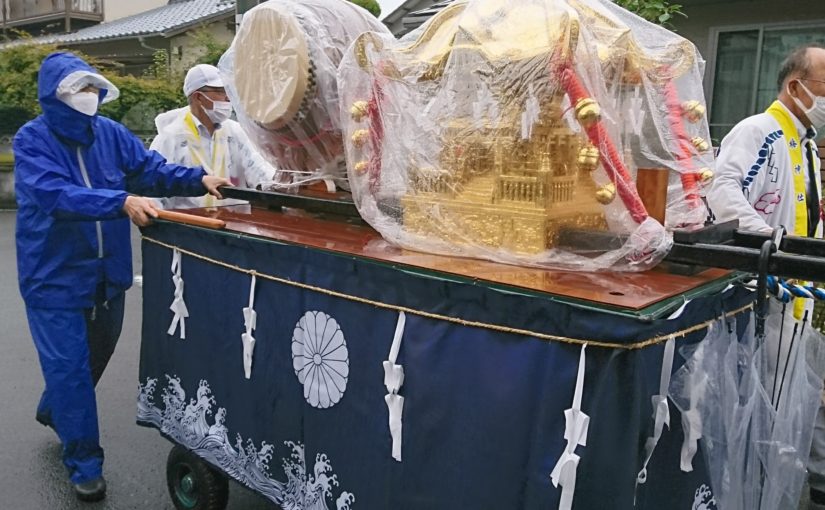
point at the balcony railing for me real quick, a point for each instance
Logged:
(21, 10)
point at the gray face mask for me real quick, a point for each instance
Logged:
(816, 113)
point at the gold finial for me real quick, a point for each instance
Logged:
(588, 111)
(360, 137)
(705, 174)
(359, 110)
(588, 158)
(700, 143)
(606, 193)
(693, 110)
(361, 167)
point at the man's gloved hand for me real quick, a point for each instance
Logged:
(212, 183)
(140, 210)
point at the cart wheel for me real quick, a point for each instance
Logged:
(193, 484)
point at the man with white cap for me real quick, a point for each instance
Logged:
(203, 134)
(78, 180)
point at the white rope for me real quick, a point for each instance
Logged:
(661, 412)
(250, 320)
(576, 424)
(393, 380)
(178, 305)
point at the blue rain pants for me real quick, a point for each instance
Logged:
(74, 347)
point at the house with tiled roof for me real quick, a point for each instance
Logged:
(133, 41)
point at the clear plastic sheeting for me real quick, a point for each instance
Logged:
(280, 73)
(514, 130)
(755, 437)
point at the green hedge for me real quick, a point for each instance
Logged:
(12, 118)
(141, 98)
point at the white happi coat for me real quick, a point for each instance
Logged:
(768, 200)
(244, 166)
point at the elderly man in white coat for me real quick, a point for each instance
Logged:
(767, 176)
(203, 134)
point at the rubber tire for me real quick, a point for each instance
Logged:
(210, 489)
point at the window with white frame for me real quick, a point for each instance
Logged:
(746, 65)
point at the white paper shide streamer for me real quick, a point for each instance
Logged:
(661, 412)
(178, 306)
(575, 433)
(393, 379)
(250, 320)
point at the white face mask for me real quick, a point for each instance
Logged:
(816, 113)
(221, 110)
(84, 102)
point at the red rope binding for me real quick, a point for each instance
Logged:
(612, 162)
(376, 128)
(688, 173)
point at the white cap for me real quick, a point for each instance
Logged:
(202, 75)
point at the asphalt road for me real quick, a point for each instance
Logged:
(31, 474)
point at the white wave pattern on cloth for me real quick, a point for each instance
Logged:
(188, 424)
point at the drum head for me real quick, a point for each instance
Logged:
(273, 71)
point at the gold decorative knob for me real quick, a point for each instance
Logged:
(588, 111)
(700, 143)
(693, 110)
(360, 137)
(361, 167)
(359, 110)
(606, 193)
(588, 158)
(705, 174)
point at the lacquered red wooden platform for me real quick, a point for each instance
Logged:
(626, 290)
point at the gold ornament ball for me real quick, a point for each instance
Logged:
(588, 158)
(359, 110)
(700, 143)
(705, 174)
(360, 137)
(588, 111)
(361, 167)
(693, 110)
(606, 194)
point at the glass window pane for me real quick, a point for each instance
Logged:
(776, 44)
(733, 85)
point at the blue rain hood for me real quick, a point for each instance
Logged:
(72, 175)
(61, 118)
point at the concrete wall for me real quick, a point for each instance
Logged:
(184, 50)
(114, 9)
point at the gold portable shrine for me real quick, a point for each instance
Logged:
(511, 130)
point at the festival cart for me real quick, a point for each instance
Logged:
(492, 358)
(517, 315)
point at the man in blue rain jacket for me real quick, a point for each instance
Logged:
(78, 181)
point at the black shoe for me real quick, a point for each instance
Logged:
(817, 497)
(93, 490)
(44, 419)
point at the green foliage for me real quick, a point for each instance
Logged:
(18, 75)
(370, 5)
(159, 69)
(213, 49)
(660, 12)
(12, 118)
(141, 98)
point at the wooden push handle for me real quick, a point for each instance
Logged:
(191, 219)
